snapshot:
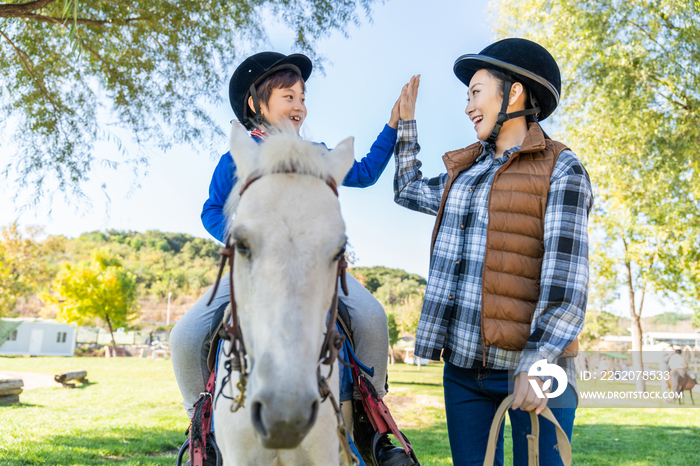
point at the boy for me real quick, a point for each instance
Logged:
(267, 91)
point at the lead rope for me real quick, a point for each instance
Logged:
(329, 353)
(236, 360)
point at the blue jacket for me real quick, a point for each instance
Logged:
(364, 173)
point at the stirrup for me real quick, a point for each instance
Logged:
(185, 448)
(399, 460)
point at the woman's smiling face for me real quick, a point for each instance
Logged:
(485, 100)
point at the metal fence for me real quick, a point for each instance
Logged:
(135, 337)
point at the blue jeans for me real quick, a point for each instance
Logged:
(472, 397)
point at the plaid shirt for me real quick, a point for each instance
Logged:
(455, 325)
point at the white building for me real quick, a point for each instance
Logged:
(654, 341)
(36, 337)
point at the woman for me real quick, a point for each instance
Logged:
(509, 269)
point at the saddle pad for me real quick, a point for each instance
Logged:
(221, 315)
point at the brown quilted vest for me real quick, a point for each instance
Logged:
(514, 239)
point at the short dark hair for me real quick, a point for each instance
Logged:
(502, 77)
(282, 79)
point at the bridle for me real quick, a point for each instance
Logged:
(332, 342)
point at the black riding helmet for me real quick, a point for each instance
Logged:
(252, 72)
(526, 62)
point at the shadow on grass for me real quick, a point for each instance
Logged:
(19, 405)
(125, 446)
(81, 386)
(428, 384)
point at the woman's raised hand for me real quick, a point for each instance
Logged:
(409, 94)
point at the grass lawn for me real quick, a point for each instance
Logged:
(602, 436)
(131, 415)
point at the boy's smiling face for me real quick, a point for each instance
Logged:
(286, 105)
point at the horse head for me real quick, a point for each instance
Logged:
(288, 236)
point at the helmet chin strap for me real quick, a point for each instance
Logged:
(503, 116)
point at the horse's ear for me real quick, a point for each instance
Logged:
(244, 150)
(341, 159)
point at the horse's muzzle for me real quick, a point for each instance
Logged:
(281, 425)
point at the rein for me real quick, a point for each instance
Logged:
(332, 342)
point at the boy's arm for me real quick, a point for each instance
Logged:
(411, 190)
(222, 182)
(367, 171)
(561, 308)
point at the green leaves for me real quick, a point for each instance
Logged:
(23, 268)
(631, 112)
(399, 292)
(144, 71)
(67, 7)
(97, 289)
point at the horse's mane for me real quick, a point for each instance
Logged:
(281, 152)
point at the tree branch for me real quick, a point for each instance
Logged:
(26, 62)
(641, 302)
(653, 77)
(91, 22)
(14, 10)
(99, 57)
(668, 22)
(126, 5)
(630, 283)
(644, 30)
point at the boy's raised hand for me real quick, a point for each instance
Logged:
(409, 94)
(394, 118)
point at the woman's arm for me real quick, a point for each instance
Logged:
(411, 190)
(561, 308)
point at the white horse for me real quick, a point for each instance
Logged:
(288, 236)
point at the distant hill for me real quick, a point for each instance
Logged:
(163, 263)
(185, 266)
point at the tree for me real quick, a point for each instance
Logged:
(22, 266)
(597, 324)
(96, 289)
(393, 333)
(401, 293)
(408, 311)
(75, 73)
(631, 110)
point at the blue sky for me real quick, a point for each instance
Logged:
(363, 77)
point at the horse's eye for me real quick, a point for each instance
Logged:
(339, 255)
(242, 249)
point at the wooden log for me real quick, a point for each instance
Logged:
(11, 386)
(11, 391)
(9, 400)
(66, 377)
